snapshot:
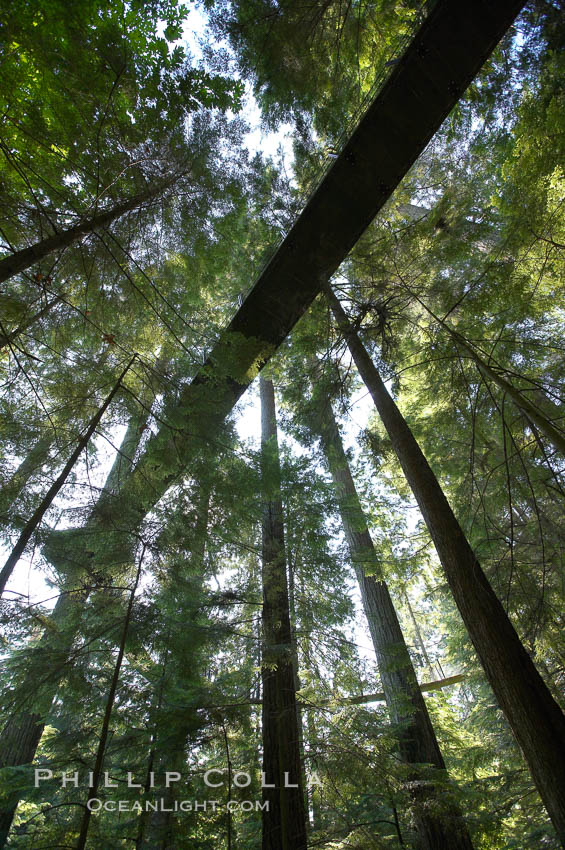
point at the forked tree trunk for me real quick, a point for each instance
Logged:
(21, 260)
(438, 820)
(284, 824)
(535, 718)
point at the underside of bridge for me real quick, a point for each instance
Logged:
(425, 84)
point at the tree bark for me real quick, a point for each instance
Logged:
(438, 820)
(284, 824)
(535, 718)
(21, 260)
(295, 661)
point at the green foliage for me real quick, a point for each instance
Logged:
(98, 102)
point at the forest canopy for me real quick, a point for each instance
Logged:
(282, 432)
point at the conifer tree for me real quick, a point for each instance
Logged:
(459, 307)
(519, 688)
(22, 730)
(439, 822)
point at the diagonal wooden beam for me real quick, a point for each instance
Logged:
(441, 60)
(425, 84)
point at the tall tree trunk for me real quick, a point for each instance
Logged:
(295, 664)
(101, 750)
(284, 824)
(438, 821)
(34, 521)
(21, 260)
(535, 718)
(23, 730)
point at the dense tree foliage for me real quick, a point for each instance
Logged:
(201, 616)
